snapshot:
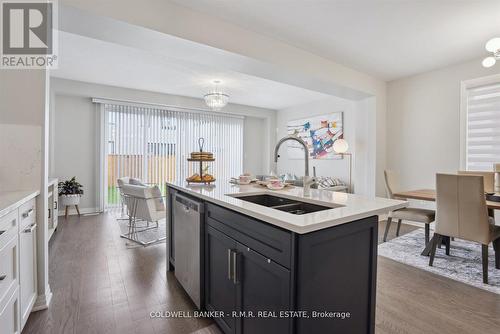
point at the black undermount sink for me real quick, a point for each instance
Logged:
(284, 204)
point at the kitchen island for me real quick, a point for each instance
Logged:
(276, 261)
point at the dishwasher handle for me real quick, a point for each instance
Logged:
(188, 203)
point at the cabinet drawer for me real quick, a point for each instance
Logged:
(270, 241)
(8, 227)
(27, 214)
(8, 266)
(9, 314)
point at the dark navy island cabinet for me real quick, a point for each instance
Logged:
(257, 274)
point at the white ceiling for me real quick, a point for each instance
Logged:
(90, 60)
(388, 39)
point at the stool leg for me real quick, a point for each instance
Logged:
(427, 233)
(399, 227)
(387, 226)
(66, 213)
(77, 209)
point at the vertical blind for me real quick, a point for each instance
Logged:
(483, 127)
(153, 145)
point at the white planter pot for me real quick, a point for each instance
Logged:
(70, 200)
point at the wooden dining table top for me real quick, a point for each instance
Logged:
(430, 195)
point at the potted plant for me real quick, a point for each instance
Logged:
(70, 192)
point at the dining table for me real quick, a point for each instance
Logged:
(430, 196)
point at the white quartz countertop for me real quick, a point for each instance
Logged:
(345, 207)
(10, 200)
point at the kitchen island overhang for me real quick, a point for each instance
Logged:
(255, 259)
(349, 207)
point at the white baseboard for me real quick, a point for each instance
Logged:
(72, 211)
(42, 302)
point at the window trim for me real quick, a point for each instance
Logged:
(464, 86)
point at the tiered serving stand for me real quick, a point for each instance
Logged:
(201, 141)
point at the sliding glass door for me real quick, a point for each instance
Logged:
(153, 145)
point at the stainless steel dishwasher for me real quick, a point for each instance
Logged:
(188, 241)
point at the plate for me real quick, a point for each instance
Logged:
(270, 186)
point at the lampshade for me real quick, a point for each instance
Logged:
(493, 45)
(340, 146)
(489, 61)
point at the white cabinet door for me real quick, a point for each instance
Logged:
(27, 272)
(9, 319)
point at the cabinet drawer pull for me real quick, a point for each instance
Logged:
(28, 213)
(55, 205)
(30, 229)
(229, 270)
(2, 277)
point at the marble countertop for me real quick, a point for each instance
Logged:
(10, 200)
(345, 207)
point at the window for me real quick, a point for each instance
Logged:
(482, 103)
(153, 144)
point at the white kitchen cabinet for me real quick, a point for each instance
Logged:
(9, 314)
(18, 263)
(9, 273)
(27, 259)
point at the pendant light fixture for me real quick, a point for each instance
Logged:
(216, 99)
(492, 46)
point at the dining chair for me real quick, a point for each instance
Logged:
(488, 177)
(418, 215)
(462, 213)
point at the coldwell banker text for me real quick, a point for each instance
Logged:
(28, 30)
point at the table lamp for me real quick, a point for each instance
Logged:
(340, 146)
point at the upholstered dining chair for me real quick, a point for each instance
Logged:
(488, 178)
(418, 215)
(462, 213)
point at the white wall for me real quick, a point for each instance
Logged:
(74, 139)
(255, 139)
(423, 122)
(229, 47)
(357, 130)
(75, 143)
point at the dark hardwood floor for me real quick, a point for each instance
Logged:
(101, 285)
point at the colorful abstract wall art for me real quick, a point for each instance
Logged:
(319, 132)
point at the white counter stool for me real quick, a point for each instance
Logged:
(424, 216)
(143, 204)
